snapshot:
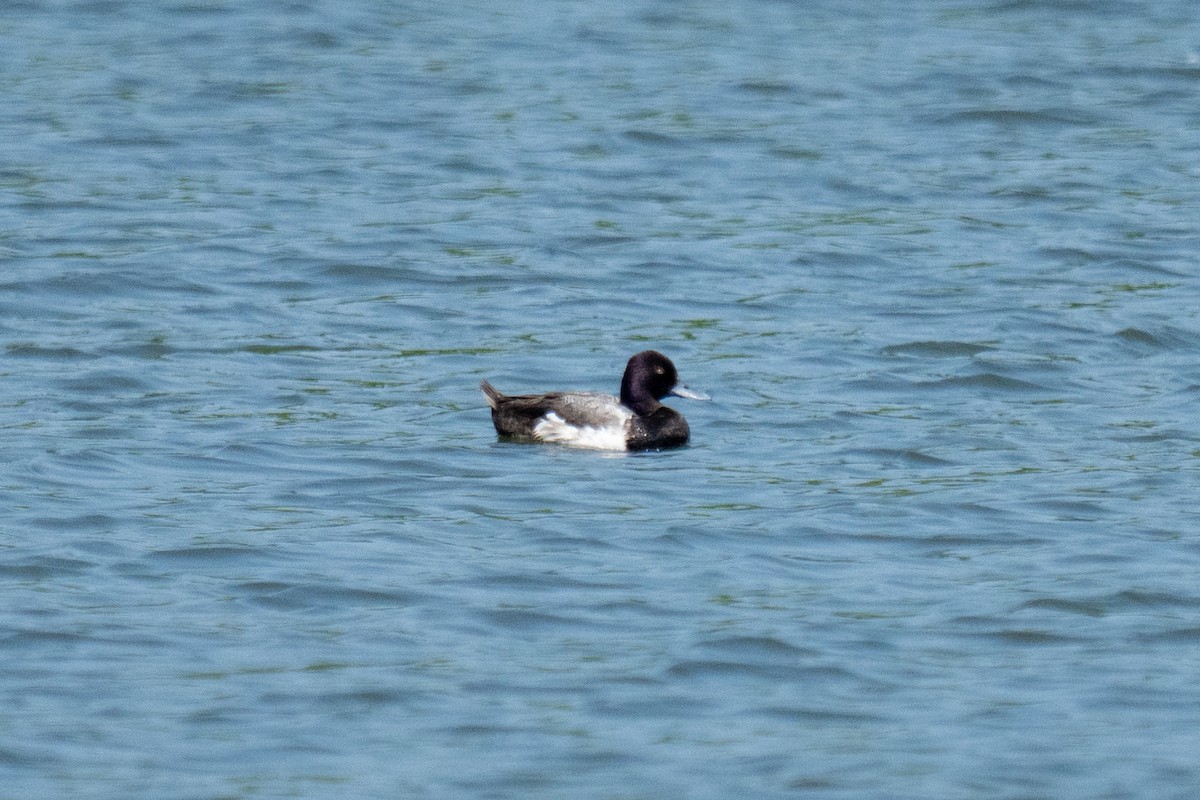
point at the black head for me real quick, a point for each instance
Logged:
(649, 376)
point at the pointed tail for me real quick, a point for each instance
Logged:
(493, 396)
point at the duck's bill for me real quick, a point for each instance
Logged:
(690, 394)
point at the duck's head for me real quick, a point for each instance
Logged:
(649, 377)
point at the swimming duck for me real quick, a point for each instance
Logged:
(634, 421)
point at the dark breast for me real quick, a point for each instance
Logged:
(664, 427)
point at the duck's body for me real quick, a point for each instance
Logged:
(634, 421)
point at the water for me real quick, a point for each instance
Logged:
(934, 536)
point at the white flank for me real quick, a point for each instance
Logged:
(553, 428)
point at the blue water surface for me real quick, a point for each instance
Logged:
(934, 536)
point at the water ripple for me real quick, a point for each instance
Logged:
(260, 537)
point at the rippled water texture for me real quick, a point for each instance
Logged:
(935, 535)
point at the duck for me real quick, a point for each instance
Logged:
(634, 421)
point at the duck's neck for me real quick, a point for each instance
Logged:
(637, 398)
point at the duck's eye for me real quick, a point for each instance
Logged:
(660, 371)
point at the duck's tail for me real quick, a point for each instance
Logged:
(493, 397)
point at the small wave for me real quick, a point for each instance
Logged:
(529, 620)
(720, 669)
(762, 646)
(1024, 117)
(1031, 636)
(811, 714)
(1185, 635)
(210, 553)
(1138, 336)
(44, 568)
(901, 455)
(1081, 607)
(273, 594)
(1167, 338)
(105, 382)
(986, 380)
(652, 137)
(33, 350)
(936, 349)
